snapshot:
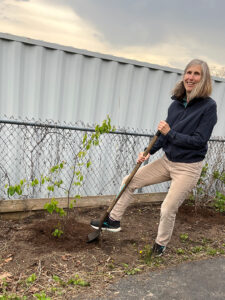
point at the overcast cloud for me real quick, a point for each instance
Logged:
(163, 32)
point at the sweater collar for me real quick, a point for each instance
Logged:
(190, 102)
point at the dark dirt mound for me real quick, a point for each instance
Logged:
(74, 235)
(208, 215)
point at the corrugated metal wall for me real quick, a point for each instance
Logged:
(46, 81)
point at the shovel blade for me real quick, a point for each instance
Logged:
(93, 236)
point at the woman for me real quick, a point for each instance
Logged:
(184, 136)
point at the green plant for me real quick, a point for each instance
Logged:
(4, 285)
(31, 278)
(54, 181)
(205, 241)
(78, 281)
(212, 251)
(57, 232)
(219, 202)
(199, 192)
(196, 249)
(215, 180)
(59, 280)
(148, 258)
(12, 297)
(219, 176)
(56, 278)
(53, 207)
(146, 254)
(16, 189)
(221, 251)
(184, 237)
(180, 251)
(130, 271)
(42, 296)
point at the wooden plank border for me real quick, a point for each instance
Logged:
(28, 205)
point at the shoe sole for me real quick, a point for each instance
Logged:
(107, 229)
(159, 254)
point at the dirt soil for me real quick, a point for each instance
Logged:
(33, 262)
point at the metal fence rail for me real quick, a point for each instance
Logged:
(28, 150)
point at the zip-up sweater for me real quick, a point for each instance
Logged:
(191, 128)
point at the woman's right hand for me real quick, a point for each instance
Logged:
(141, 158)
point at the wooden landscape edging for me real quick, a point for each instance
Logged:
(28, 205)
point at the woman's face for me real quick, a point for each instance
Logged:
(192, 76)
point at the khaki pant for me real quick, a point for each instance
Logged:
(183, 176)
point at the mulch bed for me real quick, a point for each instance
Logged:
(33, 261)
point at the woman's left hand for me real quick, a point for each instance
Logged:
(163, 127)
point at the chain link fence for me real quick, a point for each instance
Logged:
(28, 150)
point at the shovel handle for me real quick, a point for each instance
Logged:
(128, 180)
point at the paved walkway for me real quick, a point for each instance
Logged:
(199, 280)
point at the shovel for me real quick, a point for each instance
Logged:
(93, 236)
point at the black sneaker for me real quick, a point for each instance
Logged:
(108, 224)
(157, 250)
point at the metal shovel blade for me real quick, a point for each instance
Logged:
(93, 236)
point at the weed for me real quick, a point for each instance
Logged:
(185, 257)
(146, 254)
(211, 251)
(41, 296)
(184, 237)
(31, 278)
(148, 258)
(216, 180)
(12, 297)
(180, 251)
(57, 232)
(78, 281)
(199, 192)
(130, 271)
(56, 278)
(219, 176)
(4, 285)
(196, 249)
(56, 290)
(219, 202)
(206, 241)
(74, 281)
(59, 280)
(157, 261)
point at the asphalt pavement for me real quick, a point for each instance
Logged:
(196, 280)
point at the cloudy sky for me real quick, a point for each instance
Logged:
(164, 32)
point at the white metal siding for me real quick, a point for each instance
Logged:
(47, 81)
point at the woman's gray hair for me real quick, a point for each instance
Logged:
(202, 89)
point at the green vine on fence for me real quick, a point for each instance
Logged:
(201, 193)
(219, 199)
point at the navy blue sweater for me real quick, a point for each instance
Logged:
(191, 128)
